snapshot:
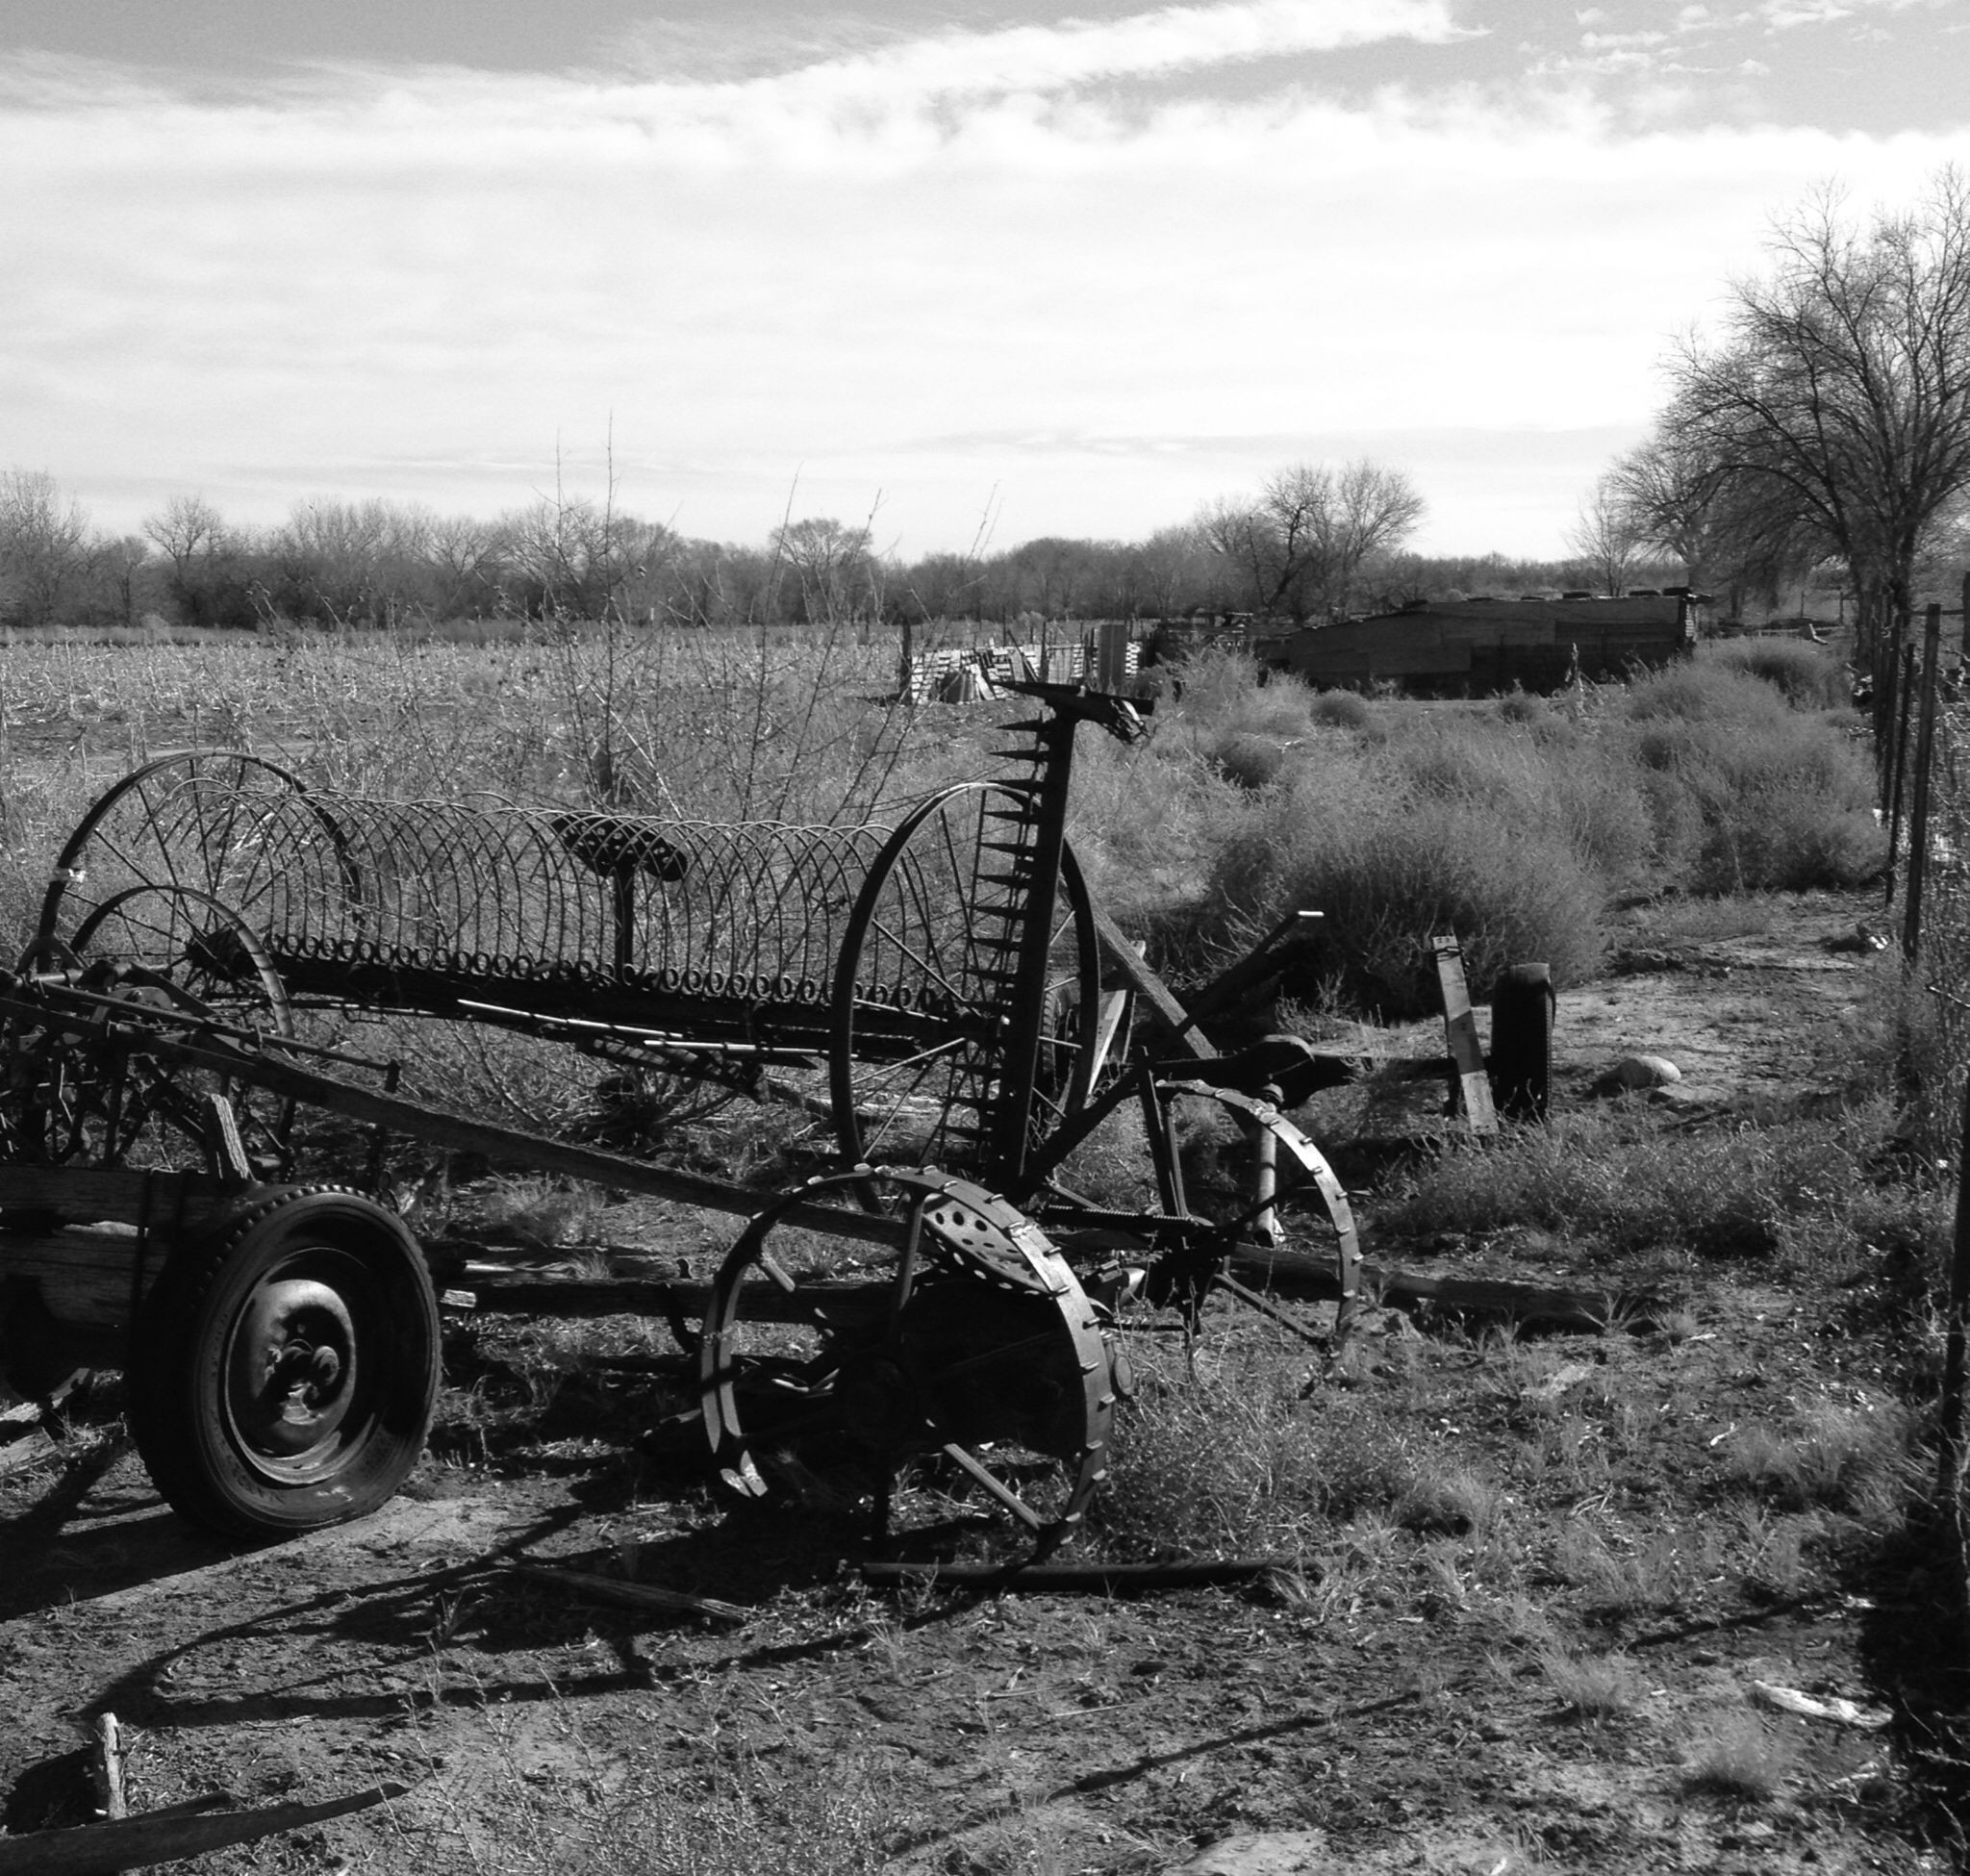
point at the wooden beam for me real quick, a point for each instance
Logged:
(136, 1843)
(441, 1128)
(1460, 1032)
(1120, 952)
(91, 1195)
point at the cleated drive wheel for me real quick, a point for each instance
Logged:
(1266, 1189)
(964, 1359)
(283, 1369)
(923, 1027)
(182, 954)
(1202, 1177)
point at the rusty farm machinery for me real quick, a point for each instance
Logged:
(942, 995)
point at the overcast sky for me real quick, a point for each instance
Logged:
(962, 266)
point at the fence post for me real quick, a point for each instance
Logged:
(1925, 754)
(1901, 679)
(1950, 1480)
(1884, 671)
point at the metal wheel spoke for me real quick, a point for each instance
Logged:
(982, 1344)
(981, 1474)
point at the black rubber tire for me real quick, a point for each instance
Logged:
(284, 1368)
(1520, 1059)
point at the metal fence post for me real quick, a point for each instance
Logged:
(1925, 755)
(1949, 1481)
(1902, 681)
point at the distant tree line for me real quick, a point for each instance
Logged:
(1312, 543)
(1826, 426)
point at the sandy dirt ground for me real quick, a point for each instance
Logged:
(1405, 1729)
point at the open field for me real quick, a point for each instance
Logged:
(1526, 1589)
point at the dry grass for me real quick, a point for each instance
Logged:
(1476, 1494)
(1806, 676)
(583, 1804)
(1591, 1687)
(1228, 1455)
(1612, 1183)
(1739, 1756)
(1833, 1456)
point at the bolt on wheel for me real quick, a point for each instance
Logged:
(960, 1362)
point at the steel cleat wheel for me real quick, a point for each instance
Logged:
(1211, 1176)
(959, 1367)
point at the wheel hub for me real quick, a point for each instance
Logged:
(879, 1403)
(292, 1366)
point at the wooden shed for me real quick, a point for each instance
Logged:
(1470, 648)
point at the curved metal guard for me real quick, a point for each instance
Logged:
(344, 889)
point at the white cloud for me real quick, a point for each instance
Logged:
(406, 284)
(1781, 15)
(1076, 52)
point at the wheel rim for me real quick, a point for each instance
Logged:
(1184, 1226)
(185, 821)
(921, 1025)
(183, 954)
(295, 1386)
(969, 1342)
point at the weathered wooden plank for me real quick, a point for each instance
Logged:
(584, 1298)
(1304, 1275)
(89, 1194)
(1120, 952)
(137, 1842)
(1460, 1032)
(106, 1249)
(1300, 1274)
(633, 1595)
(89, 1279)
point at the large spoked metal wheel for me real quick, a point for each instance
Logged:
(962, 1362)
(1198, 1184)
(193, 821)
(933, 1062)
(170, 959)
(283, 1372)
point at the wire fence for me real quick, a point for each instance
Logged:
(1921, 682)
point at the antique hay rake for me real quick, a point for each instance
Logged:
(943, 990)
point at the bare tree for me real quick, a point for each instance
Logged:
(187, 526)
(833, 564)
(46, 549)
(1837, 399)
(1169, 570)
(564, 556)
(1375, 510)
(1301, 547)
(1605, 535)
(214, 577)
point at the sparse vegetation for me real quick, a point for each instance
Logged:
(1591, 1686)
(1556, 1521)
(1517, 827)
(1740, 1757)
